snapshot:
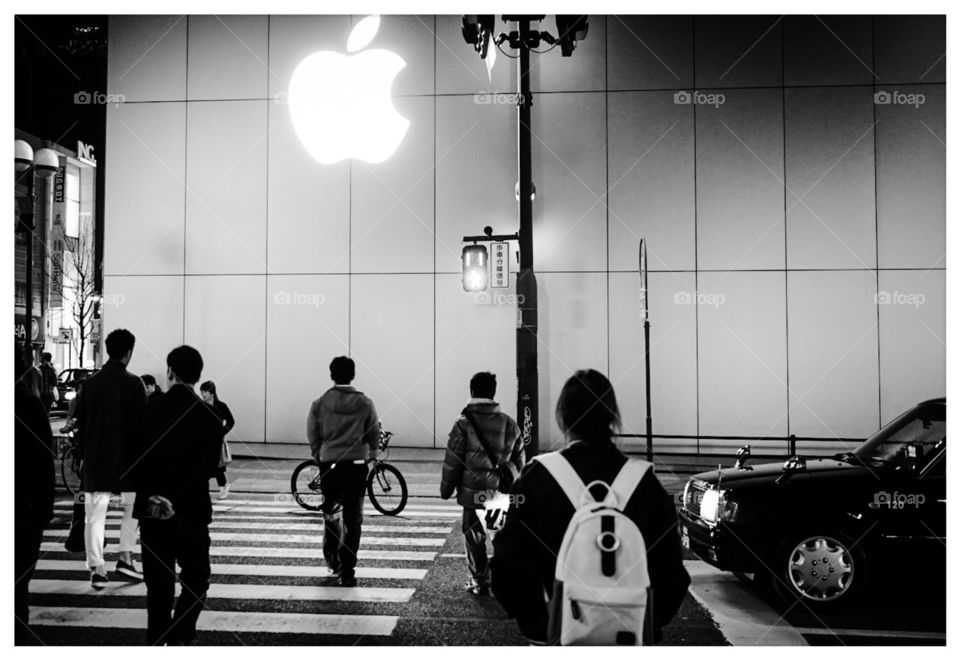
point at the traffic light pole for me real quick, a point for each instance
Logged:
(527, 379)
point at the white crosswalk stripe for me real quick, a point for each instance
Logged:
(262, 551)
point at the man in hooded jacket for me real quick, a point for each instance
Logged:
(343, 431)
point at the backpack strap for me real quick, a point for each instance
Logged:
(565, 476)
(627, 481)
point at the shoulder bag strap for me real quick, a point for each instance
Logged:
(483, 440)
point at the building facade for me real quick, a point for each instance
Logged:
(788, 175)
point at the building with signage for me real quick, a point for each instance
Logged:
(65, 287)
(792, 202)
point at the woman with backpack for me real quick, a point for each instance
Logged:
(208, 390)
(612, 562)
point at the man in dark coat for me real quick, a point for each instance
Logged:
(467, 469)
(180, 450)
(33, 455)
(110, 414)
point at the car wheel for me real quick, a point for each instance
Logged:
(822, 569)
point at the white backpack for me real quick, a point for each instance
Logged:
(602, 588)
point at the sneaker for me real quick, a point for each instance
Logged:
(471, 587)
(348, 581)
(334, 570)
(127, 571)
(224, 491)
(98, 580)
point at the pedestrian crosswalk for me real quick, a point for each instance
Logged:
(267, 574)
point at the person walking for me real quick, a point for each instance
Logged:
(179, 452)
(48, 382)
(110, 417)
(525, 551)
(481, 433)
(74, 542)
(30, 377)
(208, 390)
(33, 469)
(343, 431)
(151, 387)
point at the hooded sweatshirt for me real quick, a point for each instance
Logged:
(342, 426)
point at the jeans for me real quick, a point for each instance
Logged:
(475, 540)
(342, 484)
(166, 543)
(95, 520)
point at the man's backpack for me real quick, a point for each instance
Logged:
(601, 593)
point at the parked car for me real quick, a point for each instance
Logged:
(825, 530)
(67, 385)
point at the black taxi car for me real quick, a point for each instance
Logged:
(824, 529)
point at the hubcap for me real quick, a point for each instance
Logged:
(820, 568)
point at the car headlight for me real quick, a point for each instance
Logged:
(716, 505)
(709, 505)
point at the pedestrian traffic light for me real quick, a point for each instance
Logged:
(476, 271)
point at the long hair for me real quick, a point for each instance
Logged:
(209, 386)
(587, 407)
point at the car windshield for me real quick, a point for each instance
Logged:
(908, 438)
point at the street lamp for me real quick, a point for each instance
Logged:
(44, 164)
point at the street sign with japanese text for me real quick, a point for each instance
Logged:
(500, 267)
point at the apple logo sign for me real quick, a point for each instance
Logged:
(340, 105)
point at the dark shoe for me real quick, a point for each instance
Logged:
(98, 581)
(73, 545)
(334, 570)
(472, 587)
(348, 581)
(125, 571)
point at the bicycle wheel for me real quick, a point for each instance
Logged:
(305, 486)
(387, 489)
(70, 470)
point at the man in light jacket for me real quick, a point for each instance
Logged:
(343, 431)
(467, 469)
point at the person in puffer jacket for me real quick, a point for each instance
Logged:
(467, 469)
(343, 431)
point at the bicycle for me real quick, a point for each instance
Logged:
(70, 461)
(386, 487)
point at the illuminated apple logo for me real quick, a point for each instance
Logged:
(340, 105)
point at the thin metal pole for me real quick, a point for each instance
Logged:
(646, 342)
(527, 381)
(28, 283)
